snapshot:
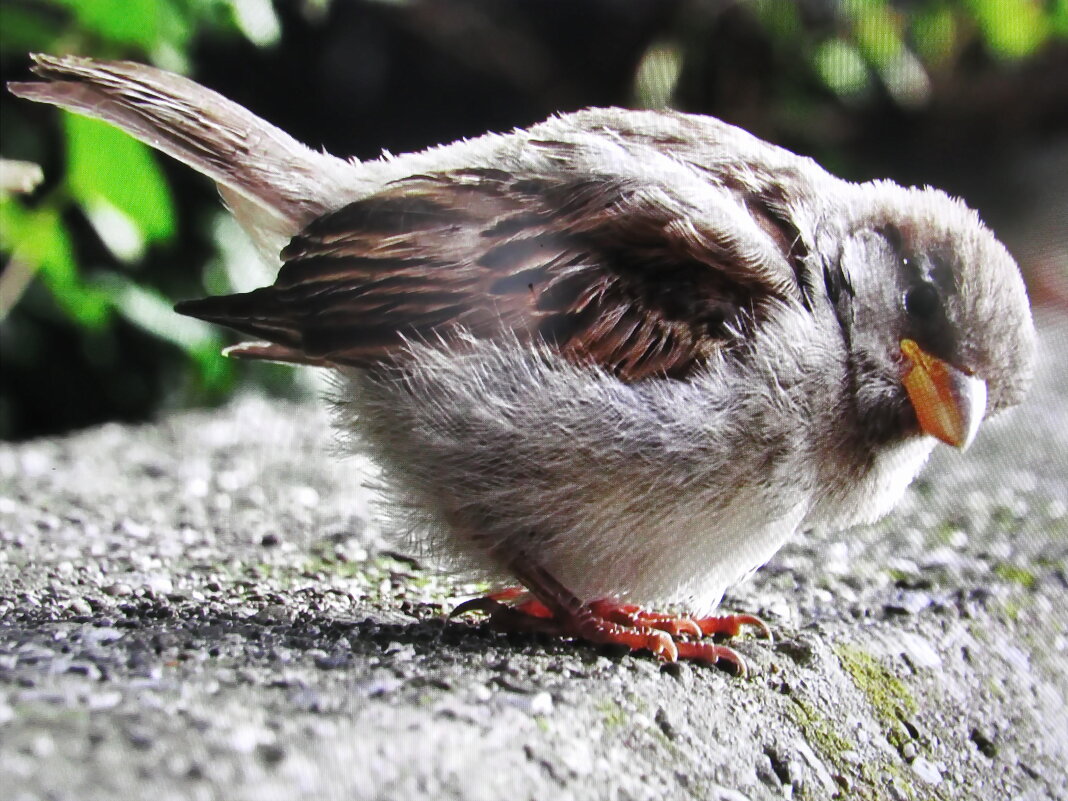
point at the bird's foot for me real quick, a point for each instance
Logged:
(679, 625)
(669, 637)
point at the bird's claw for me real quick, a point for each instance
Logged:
(731, 625)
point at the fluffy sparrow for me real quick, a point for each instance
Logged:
(620, 356)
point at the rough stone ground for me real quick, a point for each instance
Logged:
(206, 609)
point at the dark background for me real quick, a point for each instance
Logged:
(986, 118)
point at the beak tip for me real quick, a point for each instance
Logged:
(973, 397)
(950, 404)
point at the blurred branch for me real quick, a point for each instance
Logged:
(14, 279)
(16, 177)
(19, 177)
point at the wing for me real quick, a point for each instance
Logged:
(612, 271)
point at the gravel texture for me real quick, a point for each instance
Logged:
(207, 608)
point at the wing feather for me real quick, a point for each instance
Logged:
(607, 270)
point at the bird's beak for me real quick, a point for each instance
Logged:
(949, 403)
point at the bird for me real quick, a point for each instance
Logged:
(619, 357)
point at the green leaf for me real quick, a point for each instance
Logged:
(1011, 28)
(105, 164)
(1058, 17)
(26, 30)
(178, 21)
(657, 75)
(934, 30)
(215, 371)
(258, 21)
(128, 22)
(38, 239)
(152, 312)
(841, 67)
(877, 33)
(780, 19)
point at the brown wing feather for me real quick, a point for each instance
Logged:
(596, 268)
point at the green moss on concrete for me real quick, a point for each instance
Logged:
(819, 731)
(1012, 607)
(868, 781)
(882, 775)
(887, 694)
(1016, 574)
(613, 715)
(893, 704)
(944, 533)
(1004, 517)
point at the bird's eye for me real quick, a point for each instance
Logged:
(922, 301)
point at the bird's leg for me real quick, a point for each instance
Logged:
(552, 609)
(528, 605)
(512, 618)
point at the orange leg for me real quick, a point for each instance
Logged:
(552, 609)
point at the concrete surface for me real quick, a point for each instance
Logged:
(206, 608)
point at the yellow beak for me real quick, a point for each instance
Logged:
(949, 403)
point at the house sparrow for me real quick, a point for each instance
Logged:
(620, 356)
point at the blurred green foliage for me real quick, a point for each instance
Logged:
(111, 181)
(116, 186)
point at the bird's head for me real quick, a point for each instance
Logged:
(940, 327)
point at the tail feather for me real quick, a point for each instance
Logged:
(274, 184)
(257, 313)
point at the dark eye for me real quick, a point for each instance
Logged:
(922, 301)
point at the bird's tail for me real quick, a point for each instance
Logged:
(273, 184)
